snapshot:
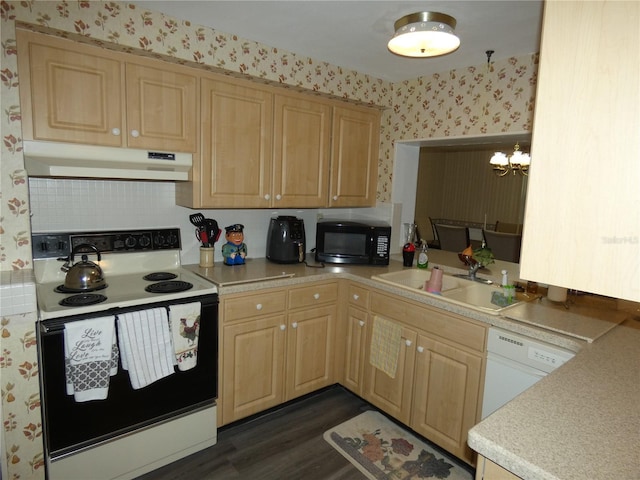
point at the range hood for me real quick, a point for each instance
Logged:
(53, 159)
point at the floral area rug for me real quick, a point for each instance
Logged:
(383, 450)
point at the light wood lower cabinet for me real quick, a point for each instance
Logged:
(446, 394)
(393, 395)
(437, 386)
(487, 470)
(276, 345)
(357, 327)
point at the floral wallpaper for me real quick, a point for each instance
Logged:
(468, 101)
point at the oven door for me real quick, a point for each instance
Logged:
(70, 426)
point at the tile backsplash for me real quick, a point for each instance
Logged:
(94, 205)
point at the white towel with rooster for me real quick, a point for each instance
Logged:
(91, 357)
(185, 331)
(145, 346)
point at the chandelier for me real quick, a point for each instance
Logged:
(516, 162)
(424, 34)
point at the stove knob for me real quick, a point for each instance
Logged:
(145, 241)
(159, 241)
(172, 240)
(130, 242)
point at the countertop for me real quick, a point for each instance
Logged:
(581, 421)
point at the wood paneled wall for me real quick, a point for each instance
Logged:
(461, 185)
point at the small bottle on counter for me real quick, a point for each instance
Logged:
(505, 278)
(423, 257)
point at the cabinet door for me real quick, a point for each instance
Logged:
(392, 395)
(236, 145)
(302, 140)
(252, 366)
(310, 344)
(357, 327)
(354, 158)
(161, 109)
(69, 94)
(447, 389)
(582, 217)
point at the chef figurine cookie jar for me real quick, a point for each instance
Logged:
(235, 250)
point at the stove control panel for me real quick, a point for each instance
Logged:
(52, 245)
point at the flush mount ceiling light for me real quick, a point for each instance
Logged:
(517, 162)
(424, 34)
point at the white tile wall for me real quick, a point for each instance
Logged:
(86, 205)
(17, 292)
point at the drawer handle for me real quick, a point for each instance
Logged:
(259, 306)
(283, 327)
(356, 296)
(361, 323)
(294, 324)
(408, 343)
(135, 133)
(316, 296)
(420, 349)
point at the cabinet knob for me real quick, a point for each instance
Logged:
(283, 327)
(115, 131)
(420, 349)
(316, 296)
(356, 296)
(267, 196)
(408, 343)
(361, 323)
(259, 306)
(294, 325)
(135, 133)
(278, 197)
(335, 197)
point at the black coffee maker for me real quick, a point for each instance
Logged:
(286, 240)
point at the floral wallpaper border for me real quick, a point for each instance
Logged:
(468, 101)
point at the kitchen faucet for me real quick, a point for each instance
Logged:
(474, 266)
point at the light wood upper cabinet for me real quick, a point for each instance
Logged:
(262, 148)
(582, 217)
(237, 136)
(302, 139)
(354, 157)
(161, 108)
(76, 93)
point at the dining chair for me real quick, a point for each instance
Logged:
(504, 246)
(452, 238)
(508, 227)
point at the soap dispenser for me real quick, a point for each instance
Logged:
(423, 258)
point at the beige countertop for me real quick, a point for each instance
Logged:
(581, 421)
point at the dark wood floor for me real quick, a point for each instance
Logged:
(285, 444)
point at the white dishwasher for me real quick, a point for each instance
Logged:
(515, 363)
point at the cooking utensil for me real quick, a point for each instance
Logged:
(213, 231)
(203, 236)
(85, 275)
(197, 219)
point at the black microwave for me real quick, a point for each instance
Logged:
(349, 242)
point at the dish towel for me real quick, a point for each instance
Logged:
(185, 331)
(386, 340)
(145, 346)
(91, 357)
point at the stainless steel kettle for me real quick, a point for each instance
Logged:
(83, 276)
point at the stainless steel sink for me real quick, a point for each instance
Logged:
(458, 290)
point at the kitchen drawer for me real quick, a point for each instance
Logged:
(358, 296)
(433, 321)
(253, 305)
(317, 294)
